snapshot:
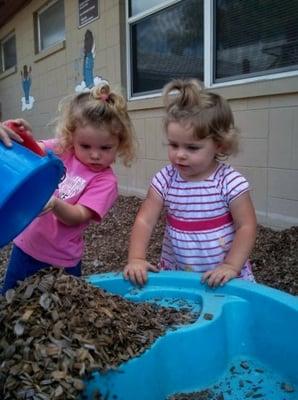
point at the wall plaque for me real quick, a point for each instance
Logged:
(88, 11)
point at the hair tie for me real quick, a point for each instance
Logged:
(104, 97)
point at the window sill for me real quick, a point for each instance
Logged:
(270, 87)
(8, 72)
(136, 104)
(48, 52)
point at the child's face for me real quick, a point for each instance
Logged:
(194, 159)
(95, 147)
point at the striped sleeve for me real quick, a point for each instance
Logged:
(234, 184)
(162, 179)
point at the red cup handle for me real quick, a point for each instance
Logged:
(28, 140)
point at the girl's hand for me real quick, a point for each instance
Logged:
(136, 271)
(49, 206)
(220, 275)
(7, 134)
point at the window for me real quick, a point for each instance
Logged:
(8, 52)
(165, 44)
(49, 25)
(217, 41)
(255, 38)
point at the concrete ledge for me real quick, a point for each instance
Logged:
(48, 52)
(8, 72)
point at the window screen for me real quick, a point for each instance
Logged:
(255, 37)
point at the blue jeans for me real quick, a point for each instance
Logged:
(21, 266)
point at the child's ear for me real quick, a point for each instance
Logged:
(219, 148)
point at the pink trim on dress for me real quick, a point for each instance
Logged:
(199, 225)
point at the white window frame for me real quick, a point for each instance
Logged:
(38, 13)
(2, 42)
(208, 51)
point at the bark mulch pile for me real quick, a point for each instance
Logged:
(55, 329)
(207, 394)
(275, 256)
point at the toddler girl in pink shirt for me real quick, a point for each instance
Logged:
(93, 129)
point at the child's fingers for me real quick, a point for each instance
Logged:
(6, 135)
(137, 273)
(218, 279)
(141, 277)
(153, 268)
(213, 278)
(205, 276)
(125, 274)
(132, 276)
(5, 139)
(23, 124)
(225, 280)
(136, 276)
(48, 207)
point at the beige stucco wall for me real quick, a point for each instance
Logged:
(266, 112)
(55, 73)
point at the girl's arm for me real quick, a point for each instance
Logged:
(67, 213)
(147, 217)
(245, 223)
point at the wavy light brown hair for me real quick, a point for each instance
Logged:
(208, 113)
(101, 107)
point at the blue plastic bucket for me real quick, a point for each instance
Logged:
(27, 182)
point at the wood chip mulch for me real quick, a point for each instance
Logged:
(55, 329)
(275, 256)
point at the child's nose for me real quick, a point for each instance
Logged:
(181, 153)
(95, 154)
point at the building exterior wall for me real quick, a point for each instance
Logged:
(56, 72)
(266, 113)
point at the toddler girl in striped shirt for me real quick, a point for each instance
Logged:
(210, 219)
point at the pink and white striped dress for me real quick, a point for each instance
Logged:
(199, 227)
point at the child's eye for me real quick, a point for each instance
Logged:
(106, 147)
(193, 148)
(85, 146)
(173, 145)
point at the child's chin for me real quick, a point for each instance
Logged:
(96, 168)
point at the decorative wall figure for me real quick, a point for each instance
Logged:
(27, 100)
(89, 54)
(88, 64)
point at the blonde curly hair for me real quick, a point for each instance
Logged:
(99, 107)
(208, 113)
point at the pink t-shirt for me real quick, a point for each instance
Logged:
(49, 240)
